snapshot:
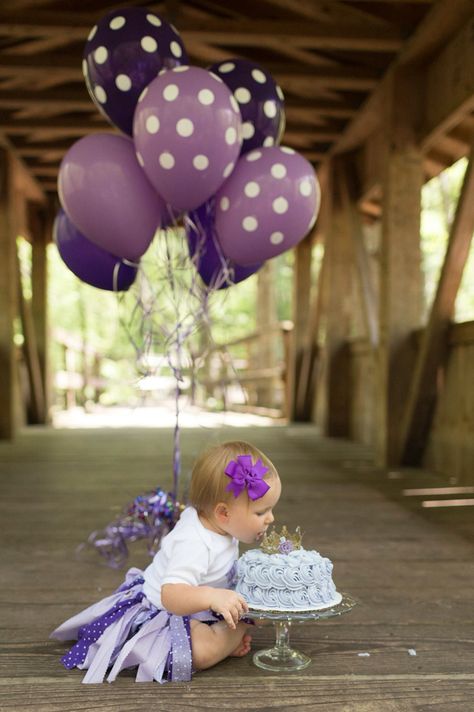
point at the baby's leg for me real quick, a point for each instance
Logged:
(213, 643)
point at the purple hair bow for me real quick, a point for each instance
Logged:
(246, 475)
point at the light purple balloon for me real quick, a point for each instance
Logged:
(268, 205)
(187, 131)
(108, 197)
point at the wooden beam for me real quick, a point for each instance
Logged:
(301, 302)
(306, 34)
(8, 302)
(349, 192)
(55, 127)
(313, 156)
(79, 100)
(23, 181)
(45, 152)
(401, 282)
(30, 351)
(307, 110)
(390, 2)
(52, 99)
(292, 77)
(47, 62)
(38, 46)
(449, 87)
(434, 345)
(305, 137)
(339, 78)
(266, 315)
(334, 11)
(45, 171)
(41, 231)
(337, 316)
(436, 30)
(49, 186)
(10, 408)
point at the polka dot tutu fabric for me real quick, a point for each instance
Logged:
(125, 631)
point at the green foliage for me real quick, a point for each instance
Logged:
(439, 199)
(92, 317)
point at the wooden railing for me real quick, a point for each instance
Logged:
(248, 374)
(80, 379)
(450, 447)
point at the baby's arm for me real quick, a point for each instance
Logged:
(183, 599)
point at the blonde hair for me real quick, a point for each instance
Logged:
(208, 478)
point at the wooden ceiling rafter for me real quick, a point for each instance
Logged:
(245, 32)
(330, 58)
(448, 91)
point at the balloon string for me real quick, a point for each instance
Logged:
(171, 302)
(115, 276)
(177, 372)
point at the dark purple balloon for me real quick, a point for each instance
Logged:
(89, 262)
(260, 100)
(124, 52)
(214, 269)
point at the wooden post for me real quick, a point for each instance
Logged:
(301, 303)
(8, 301)
(266, 316)
(361, 259)
(434, 344)
(401, 284)
(30, 353)
(40, 230)
(337, 316)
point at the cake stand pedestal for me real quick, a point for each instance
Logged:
(283, 658)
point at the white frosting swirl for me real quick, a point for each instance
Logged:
(298, 581)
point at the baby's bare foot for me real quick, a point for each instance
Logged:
(243, 647)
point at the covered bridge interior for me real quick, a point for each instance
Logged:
(379, 97)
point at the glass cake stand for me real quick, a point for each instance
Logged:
(283, 658)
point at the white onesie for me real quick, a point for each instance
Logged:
(193, 555)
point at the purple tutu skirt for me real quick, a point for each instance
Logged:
(125, 630)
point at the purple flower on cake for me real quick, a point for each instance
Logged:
(286, 546)
(245, 474)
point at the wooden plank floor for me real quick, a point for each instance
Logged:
(414, 579)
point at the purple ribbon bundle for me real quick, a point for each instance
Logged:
(150, 516)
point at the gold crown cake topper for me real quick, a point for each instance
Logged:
(281, 542)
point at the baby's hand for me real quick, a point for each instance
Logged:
(229, 604)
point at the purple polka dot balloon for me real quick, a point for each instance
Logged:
(187, 134)
(260, 99)
(268, 205)
(124, 52)
(215, 270)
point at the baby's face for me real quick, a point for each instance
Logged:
(250, 519)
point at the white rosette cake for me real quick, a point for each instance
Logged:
(282, 576)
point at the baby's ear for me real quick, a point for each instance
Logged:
(221, 512)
